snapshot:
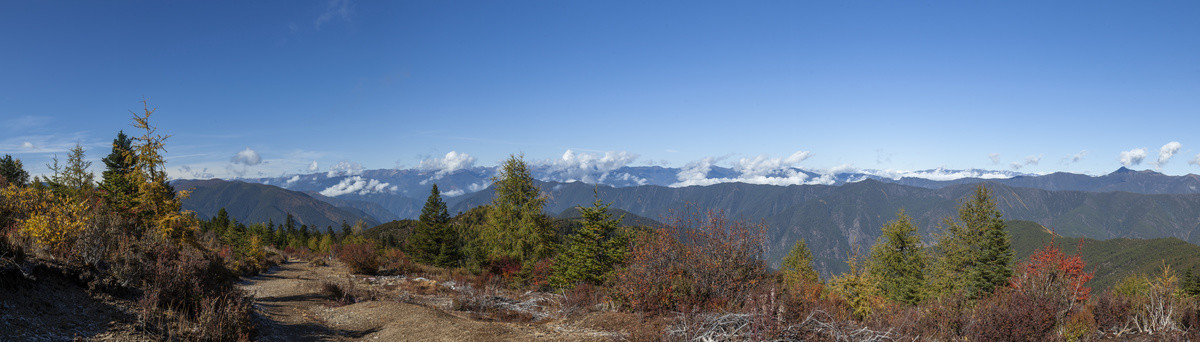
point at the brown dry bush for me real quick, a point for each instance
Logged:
(580, 299)
(189, 294)
(396, 262)
(697, 262)
(360, 258)
(347, 294)
(1112, 312)
(1014, 316)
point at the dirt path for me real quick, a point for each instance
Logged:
(292, 308)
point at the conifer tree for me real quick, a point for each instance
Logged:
(13, 172)
(157, 204)
(974, 255)
(797, 266)
(898, 261)
(592, 251)
(345, 231)
(76, 175)
(515, 226)
(434, 241)
(116, 185)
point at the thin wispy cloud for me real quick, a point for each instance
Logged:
(995, 157)
(1078, 156)
(336, 9)
(1030, 160)
(26, 122)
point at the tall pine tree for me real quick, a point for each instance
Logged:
(974, 255)
(898, 261)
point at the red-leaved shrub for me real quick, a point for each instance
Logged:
(360, 258)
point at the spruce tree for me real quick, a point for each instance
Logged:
(13, 172)
(116, 185)
(974, 255)
(592, 251)
(434, 241)
(76, 175)
(515, 226)
(898, 261)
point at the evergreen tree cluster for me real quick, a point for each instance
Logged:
(973, 257)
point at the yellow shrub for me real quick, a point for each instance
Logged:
(51, 220)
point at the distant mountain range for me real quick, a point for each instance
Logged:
(253, 203)
(399, 194)
(831, 217)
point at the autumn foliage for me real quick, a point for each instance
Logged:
(699, 261)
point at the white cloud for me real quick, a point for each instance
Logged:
(763, 165)
(357, 185)
(1133, 157)
(1166, 152)
(247, 157)
(696, 173)
(344, 168)
(294, 179)
(1078, 156)
(189, 172)
(941, 174)
(312, 167)
(757, 170)
(454, 193)
(587, 167)
(1195, 161)
(995, 157)
(1030, 160)
(446, 165)
(479, 186)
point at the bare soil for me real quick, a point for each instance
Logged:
(292, 307)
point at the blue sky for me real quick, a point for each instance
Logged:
(877, 85)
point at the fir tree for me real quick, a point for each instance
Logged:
(898, 261)
(593, 250)
(117, 187)
(974, 255)
(13, 172)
